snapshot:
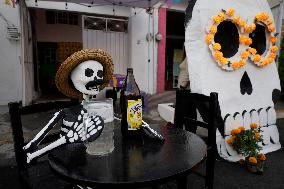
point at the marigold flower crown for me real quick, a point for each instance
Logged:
(245, 41)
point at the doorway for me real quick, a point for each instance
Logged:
(174, 47)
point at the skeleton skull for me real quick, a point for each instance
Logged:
(87, 77)
(245, 94)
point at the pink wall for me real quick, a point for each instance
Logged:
(56, 32)
(162, 27)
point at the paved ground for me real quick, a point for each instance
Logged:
(227, 175)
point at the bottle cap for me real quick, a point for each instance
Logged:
(129, 70)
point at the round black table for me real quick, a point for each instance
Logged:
(141, 162)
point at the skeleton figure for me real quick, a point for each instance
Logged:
(247, 89)
(89, 71)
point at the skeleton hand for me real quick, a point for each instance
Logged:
(151, 132)
(84, 129)
(81, 130)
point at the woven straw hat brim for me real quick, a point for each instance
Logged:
(62, 78)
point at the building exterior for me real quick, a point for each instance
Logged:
(142, 41)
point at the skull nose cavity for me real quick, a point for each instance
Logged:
(245, 85)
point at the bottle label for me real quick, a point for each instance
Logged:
(134, 114)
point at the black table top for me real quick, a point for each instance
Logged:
(140, 162)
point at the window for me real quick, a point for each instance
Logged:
(105, 24)
(53, 17)
(95, 23)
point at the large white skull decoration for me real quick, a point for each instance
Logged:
(245, 93)
(87, 77)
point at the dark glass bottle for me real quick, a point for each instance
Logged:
(131, 107)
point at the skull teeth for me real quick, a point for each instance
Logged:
(264, 117)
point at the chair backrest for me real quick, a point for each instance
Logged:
(186, 107)
(16, 111)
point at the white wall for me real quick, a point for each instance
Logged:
(141, 50)
(27, 57)
(10, 64)
(56, 32)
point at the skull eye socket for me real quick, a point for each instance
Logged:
(258, 37)
(89, 72)
(100, 73)
(228, 37)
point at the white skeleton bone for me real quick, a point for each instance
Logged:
(86, 78)
(79, 132)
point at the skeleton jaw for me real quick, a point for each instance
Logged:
(264, 117)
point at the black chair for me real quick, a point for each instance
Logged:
(186, 116)
(37, 174)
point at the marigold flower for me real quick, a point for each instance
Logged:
(224, 61)
(209, 38)
(221, 16)
(248, 41)
(271, 28)
(272, 55)
(236, 65)
(216, 19)
(253, 27)
(252, 51)
(264, 16)
(230, 141)
(242, 128)
(252, 160)
(236, 19)
(258, 17)
(241, 63)
(243, 39)
(230, 12)
(256, 58)
(245, 54)
(262, 157)
(257, 136)
(247, 28)
(218, 55)
(264, 63)
(242, 23)
(269, 21)
(235, 131)
(217, 46)
(270, 60)
(273, 39)
(274, 49)
(253, 125)
(213, 29)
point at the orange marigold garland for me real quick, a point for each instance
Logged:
(269, 56)
(227, 63)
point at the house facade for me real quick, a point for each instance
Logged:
(152, 44)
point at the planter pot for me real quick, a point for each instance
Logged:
(255, 168)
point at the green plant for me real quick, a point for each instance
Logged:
(247, 143)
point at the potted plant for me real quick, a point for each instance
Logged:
(247, 143)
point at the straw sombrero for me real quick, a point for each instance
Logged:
(62, 78)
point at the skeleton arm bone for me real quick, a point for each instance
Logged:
(41, 135)
(77, 133)
(151, 132)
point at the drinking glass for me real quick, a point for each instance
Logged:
(104, 144)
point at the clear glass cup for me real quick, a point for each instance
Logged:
(104, 144)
